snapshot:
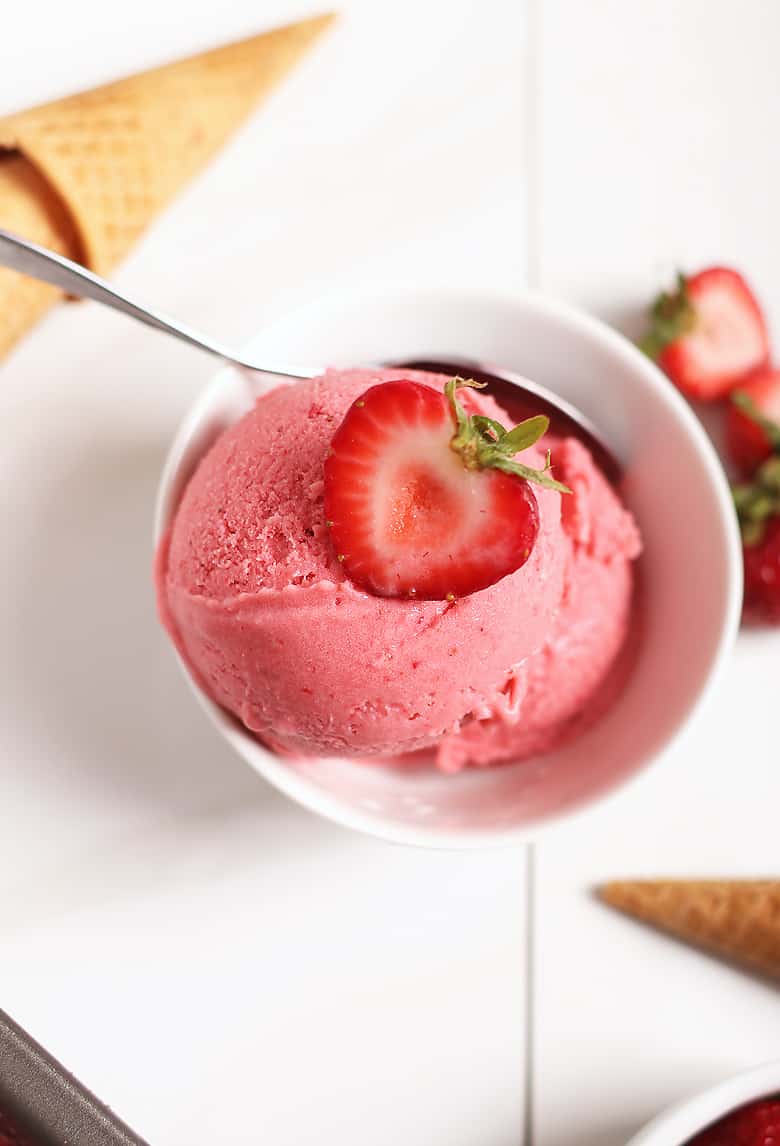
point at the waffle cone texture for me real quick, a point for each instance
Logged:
(88, 174)
(737, 920)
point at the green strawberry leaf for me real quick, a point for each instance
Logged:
(483, 443)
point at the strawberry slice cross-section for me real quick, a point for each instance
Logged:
(424, 500)
(709, 334)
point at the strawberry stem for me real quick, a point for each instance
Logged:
(758, 501)
(483, 443)
(672, 315)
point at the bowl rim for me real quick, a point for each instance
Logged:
(290, 782)
(678, 1123)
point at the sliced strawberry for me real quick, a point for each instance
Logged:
(753, 422)
(708, 335)
(424, 500)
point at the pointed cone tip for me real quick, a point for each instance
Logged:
(738, 920)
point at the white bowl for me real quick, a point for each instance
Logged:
(691, 567)
(678, 1124)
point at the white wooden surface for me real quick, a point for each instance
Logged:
(299, 984)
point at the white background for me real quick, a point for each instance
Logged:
(217, 964)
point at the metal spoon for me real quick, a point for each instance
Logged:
(50, 267)
(518, 395)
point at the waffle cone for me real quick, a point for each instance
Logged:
(739, 920)
(98, 167)
(29, 207)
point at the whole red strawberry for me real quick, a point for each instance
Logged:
(425, 500)
(758, 506)
(762, 576)
(753, 422)
(757, 1124)
(709, 334)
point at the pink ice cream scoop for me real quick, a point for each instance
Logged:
(267, 622)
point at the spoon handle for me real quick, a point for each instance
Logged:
(29, 259)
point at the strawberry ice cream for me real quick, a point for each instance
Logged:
(271, 628)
